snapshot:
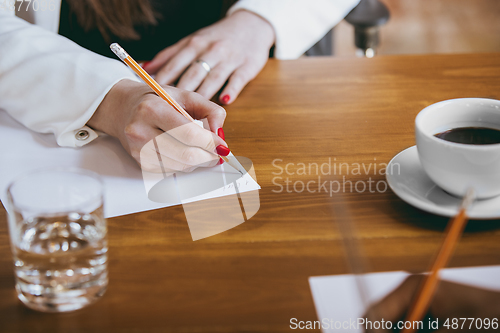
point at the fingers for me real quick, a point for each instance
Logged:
(182, 144)
(171, 166)
(164, 56)
(164, 154)
(177, 156)
(196, 73)
(200, 108)
(237, 82)
(159, 114)
(193, 77)
(192, 135)
(146, 154)
(147, 116)
(215, 80)
(176, 66)
(211, 81)
(180, 61)
(186, 132)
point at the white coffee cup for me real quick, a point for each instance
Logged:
(455, 167)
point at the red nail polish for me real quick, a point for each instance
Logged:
(222, 150)
(221, 161)
(225, 99)
(144, 65)
(220, 133)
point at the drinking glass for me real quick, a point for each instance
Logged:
(58, 237)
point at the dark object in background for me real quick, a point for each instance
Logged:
(324, 47)
(367, 18)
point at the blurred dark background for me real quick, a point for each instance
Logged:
(432, 26)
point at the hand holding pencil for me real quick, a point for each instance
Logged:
(136, 115)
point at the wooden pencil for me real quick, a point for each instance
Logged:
(424, 296)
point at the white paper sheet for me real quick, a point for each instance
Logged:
(336, 297)
(22, 150)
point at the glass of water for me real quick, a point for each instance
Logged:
(58, 236)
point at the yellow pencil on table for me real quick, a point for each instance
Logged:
(427, 289)
(127, 59)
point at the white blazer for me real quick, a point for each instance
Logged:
(52, 85)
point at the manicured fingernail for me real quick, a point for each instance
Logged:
(225, 99)
(222, 150)
(221, 161)
(220, 133)
(144, 65)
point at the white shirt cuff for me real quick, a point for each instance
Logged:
(298, 24)
(77, 134)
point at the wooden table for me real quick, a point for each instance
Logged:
(253, 278)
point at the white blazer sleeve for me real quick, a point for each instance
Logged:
(298, 24)
(49, 83)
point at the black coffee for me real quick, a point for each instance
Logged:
(471, 135)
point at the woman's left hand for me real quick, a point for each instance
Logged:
(236, 49)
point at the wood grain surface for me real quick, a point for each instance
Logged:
(253, 278)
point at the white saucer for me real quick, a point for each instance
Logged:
(411, 183)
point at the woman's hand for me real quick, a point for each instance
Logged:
(135, 115)
(452, 300)
(236, 48)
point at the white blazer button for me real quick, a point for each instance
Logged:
(82, 135)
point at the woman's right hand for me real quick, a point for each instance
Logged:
(135, 115)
